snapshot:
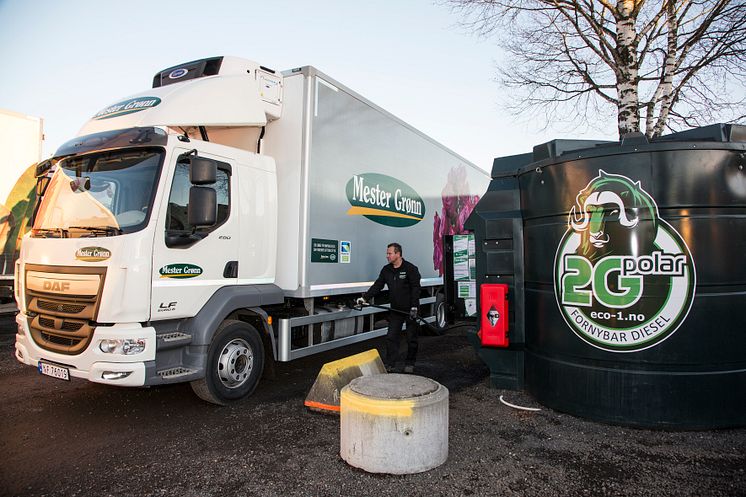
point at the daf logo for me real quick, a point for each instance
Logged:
(57, 286)
(177, 73)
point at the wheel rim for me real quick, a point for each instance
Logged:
(235, 363)
(440, 315)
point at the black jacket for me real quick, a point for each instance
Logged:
(403, 284)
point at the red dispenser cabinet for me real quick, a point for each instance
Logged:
(493, 322)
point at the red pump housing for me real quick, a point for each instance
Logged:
(493, 321)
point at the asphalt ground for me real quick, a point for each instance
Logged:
(78, 438)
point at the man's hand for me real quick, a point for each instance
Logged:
(361, 301)
(413, 313)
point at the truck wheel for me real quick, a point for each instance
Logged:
(234, 364)
(439, 311)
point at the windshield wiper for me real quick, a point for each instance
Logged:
(99, 230)
(51, 233)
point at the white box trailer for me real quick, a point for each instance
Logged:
(21, 138)
(332, 149)
(226, 217)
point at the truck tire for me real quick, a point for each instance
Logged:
(439, 311)
(234, 364)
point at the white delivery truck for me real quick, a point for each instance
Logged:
(21, 139)
(223, 219)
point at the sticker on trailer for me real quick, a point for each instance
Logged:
(323, 250)
(345, 252)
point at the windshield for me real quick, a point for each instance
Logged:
(99, 194)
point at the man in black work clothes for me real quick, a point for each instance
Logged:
(403, 281)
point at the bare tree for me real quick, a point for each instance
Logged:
(670, 63)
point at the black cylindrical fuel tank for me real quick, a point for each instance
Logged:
(635, 280)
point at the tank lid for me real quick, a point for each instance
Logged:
(510, 164)
(711, 133)
(555, 148)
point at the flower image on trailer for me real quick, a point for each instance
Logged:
(457, 206)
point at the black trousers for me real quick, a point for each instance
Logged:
(396, 321)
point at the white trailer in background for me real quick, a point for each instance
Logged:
(222, 219)
(21, 138)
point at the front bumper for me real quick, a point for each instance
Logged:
(92, 363)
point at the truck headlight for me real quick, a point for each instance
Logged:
(126, 346)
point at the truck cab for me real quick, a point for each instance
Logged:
(139, 227)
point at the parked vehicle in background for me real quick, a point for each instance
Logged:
(21, 139)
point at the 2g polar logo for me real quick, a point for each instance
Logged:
(623, 277)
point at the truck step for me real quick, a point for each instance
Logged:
(172, 340)
(175, 373)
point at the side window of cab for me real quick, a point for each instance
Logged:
(178, 201)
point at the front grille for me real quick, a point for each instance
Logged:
(60, 307)
(71, 326)
(79, 307)
(46, 322)
(59, 322)
(64, 325)
(60, 335)
(60, 341)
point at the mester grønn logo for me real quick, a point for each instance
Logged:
(127, 107)
(180, 271)
(384, 200)
(92, 254)
(623, 277)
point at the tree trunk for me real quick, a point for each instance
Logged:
(666, 86)
(626, 74)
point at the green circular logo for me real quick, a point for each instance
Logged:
(624, 279)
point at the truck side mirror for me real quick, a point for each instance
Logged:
(203, 206)
(42, 178)
(202, 171)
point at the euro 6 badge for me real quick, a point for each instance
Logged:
(624, 279)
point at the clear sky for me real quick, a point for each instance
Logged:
(63, 60)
